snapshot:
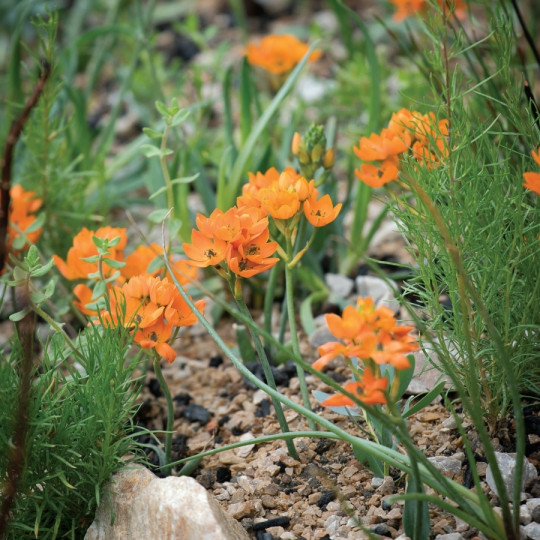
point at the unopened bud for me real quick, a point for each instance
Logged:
(295, 144)
(328, 159)
(303, 157)
(317, 154)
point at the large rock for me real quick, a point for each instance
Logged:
(507, 466)
(173, 508)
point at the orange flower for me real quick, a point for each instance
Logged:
(379, 147)
(370, 390)
(138, 262)
(322, 212)
(280, 204)
(532, 179)
(84, 296)
(204, 251)
(278, 54)
(23, 204)
(406, 8)
(376, 176)
(76, 268)
(152, 308)
(348, 326)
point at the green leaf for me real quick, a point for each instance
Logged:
(157, 216)
(99, 290)
(425, 401)
(245, 347)
(162, 109)
(32, 257)
(114, 263)
(38, 297)
(20, 315)
(375, 465)
(149, 151)
(185, 179)
(92, 259)
(415, 513)
(42, 270)
(152, 133)
(179, 117)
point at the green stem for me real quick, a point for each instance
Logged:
(263, 359)
(269, 297)
(164, 168)
(289, 291)
(167, 469)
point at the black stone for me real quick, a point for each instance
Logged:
(282, 521)
(281, 375)
(326, 497)
(155, 388)
(323, 445)
(326, 537)
(263, 409)
(386, 505)
(215, 361)
(381, 529)
(197, 413)
(182, 398)
(223, 474)
(179, 445)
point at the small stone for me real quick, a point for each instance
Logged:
(320, 336)
(331, 524)
(197, 413)
(269, 501)
(449, 424)
(387, 486)
(507, 465)
(244, 451)
(449, 536)
(381, 528)
(447, 464)
(532, 530)
(339, 285)
(223, 474)
(377, 482)
(241, 510)
(378, 289)
(533, 506)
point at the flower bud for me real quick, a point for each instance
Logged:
(328, 159)
(295, 144)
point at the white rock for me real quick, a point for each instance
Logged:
(339, 285)
(378, 289)
(507, 465)
(446, 463)
(532, 530)
(449, 536)
(145, 506)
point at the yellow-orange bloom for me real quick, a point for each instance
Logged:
(406, 8)
(204, 251)
(278, 54)
(83, 246)
(322, 212)
(370, 390)
(376, 176)
(380, 147)
(23, 205)
(138, 262)
(532, 179)
(151, 308)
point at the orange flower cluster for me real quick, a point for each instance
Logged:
(138, 299)
(239, 236)
(75, 267)
(151, 307)
(278, 54)
(406, 8)
(283, 195)
(407, 130)
(24, 204)
(532, 179)
(369, 334)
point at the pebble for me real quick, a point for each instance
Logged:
(450, 536)
(532, 530)
(339, 285)
(241, 509)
